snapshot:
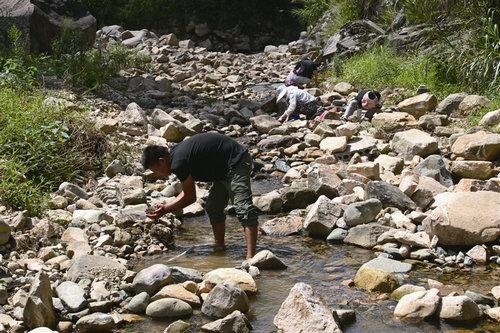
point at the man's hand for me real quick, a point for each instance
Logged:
(284, 117)
(158, 212)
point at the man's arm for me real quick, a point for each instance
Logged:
(291, 108)
(184, 199)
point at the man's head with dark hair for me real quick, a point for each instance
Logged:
(157, 159)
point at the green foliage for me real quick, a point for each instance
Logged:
(475, 117)
(312, 10)
(435, 11)
(40, 147)
(381, 67)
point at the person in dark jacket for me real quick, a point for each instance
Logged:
(209, 157)
(367, 100)
(302, 73)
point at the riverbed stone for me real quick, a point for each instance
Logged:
(72, 295)
(183, 274)
(362, 212)
(298, 196)
(168, 308)
(283, 226)
(459, 309)
(177, 291)
(405, 290)
(337, 235)
(418, 305)
(472, 169)
(434, 166)
(39, 309)
(266, 260)
(95, 322)
(450, 104)
(324, 181)
(493, 314)
(388, 265)
(264, 123)
(321, 218)
(239, 277)
(418, 105)
(481, 146)
(139, 303)
(152, 279)
(390, 163)
(418, 239)
(478, 254)
(389, 195)
(393, 121)
(414, 142)
(465, 218)
(90, 267)
(270, 203)
(472, 103)
(365, 235)
(225, 298)
(305, 311)
(372, 279)
(235, 322)
(334, 144)
(492, 118)
(178, 326)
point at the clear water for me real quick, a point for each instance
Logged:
(317, 263)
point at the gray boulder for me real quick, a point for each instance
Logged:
(152, 279)
(225, 298)
(389, 195)
(321, 218)
(459, 309)
(365, 235)
(39, 309)
(168, 308)
(71, 295)
(434, 167)
(236, 322)
(95, 323)
(265, 259)
(362, 212)
(139, 303)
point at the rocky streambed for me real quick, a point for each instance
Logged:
(383, 226)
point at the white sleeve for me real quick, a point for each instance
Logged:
(292, 104)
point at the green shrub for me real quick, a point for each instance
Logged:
(312, 10)
(380, 68)
(40, 147)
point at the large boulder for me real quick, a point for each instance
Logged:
(324, 181)
(450, 104)
(95, 323)
(459, 309)
(389, 195)
(236, 322)
(283, 226)
(42, 22)
(365, 235)
(434, 166)
(304, 311)
(418, 105)
(418, 305)
(168, 308)
(321, 218)
(152, 279)
(472, 103)
(264, 123)
(225, 298)
(91, 267)
(334, 144)
(265, 259)
(472, 169)
(465, 218)
(481, 146)
(414, 142)
(297, 197)
(380, 274)
(71, 295)
(39, 309)
(492, 118)
(362, 212)
(393, 121)
(239, 277)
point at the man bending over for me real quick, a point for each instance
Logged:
(209, 157)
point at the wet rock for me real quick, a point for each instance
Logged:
(177, 291)
(235, 322)
(337, 235)
(5, 232)
(465, 218)
(481, 146)
(414, 142)
(365, 235)
(152, 279)
(434, 167)
(344, 317)
(264, 123)
(168, 308)
(393, 121)
(304, 311)
(418, 305)
(72, 296)
(91, 267)
(480, 299)
(495, 291)
(405, 290)
(362, 212)
(372, 279)
(450, 104)
(418, 105)
(95, 322)
(321, 218)
(459, 309)
(389, 195)
(266, 260)
(239, 277)
(283, 226)
(445, 289)
(472, 169)
(139, 303)
(182, 274)
(225, 298)
(178, 326)
(39, 309)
